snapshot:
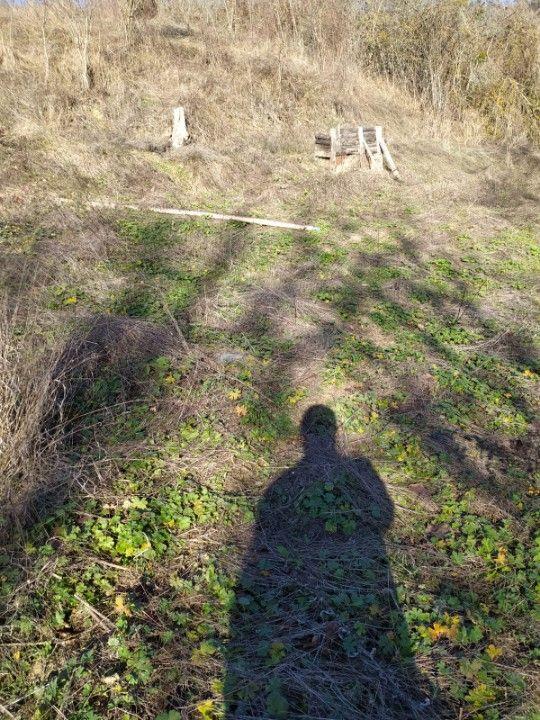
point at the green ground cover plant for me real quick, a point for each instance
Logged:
(118, 598)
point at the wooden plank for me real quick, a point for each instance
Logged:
(389, 160)
(364, 145)
(205, 214)
(372, 150)
(360, 134)
(348, 140)
(377, 165)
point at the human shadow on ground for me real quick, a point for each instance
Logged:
(317, 630)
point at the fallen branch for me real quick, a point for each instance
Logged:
(209, 215)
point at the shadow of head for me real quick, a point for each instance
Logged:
(319, 430)
(319, 420)
(353, 480)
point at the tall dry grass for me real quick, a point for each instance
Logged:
(61, 61)
(73, 114)
(454, 54)
(28, 440)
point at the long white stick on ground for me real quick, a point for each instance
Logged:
(205, 214)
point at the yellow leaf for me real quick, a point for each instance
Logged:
(234, 395)
(436, 631)
(501, 558)
(449, 631)
(241, 410)
(528, 373)
(70, 300)
(205, 709)
(493, 651)
(170, 379)
(120, 606)
(198, 507)
(452, 631)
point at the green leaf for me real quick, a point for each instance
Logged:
(183, 522)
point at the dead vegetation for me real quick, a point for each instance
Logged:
(44, 403)
(115, 67)
(28, 440)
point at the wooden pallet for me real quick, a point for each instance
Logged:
(366, 143)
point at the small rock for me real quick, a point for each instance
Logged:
(230, 358)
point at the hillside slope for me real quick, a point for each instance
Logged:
(249, 473)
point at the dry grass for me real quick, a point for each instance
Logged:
(461, 57)
(41, 382)
(78, 89)
(86, 93)
(28, 442)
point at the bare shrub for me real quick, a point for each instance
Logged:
(28, 442)
(40, 395)
(460, 56)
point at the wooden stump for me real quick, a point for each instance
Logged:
(179, 129)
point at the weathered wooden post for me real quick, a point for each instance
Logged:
(371, 145)
(388, 159)
(179, 129)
